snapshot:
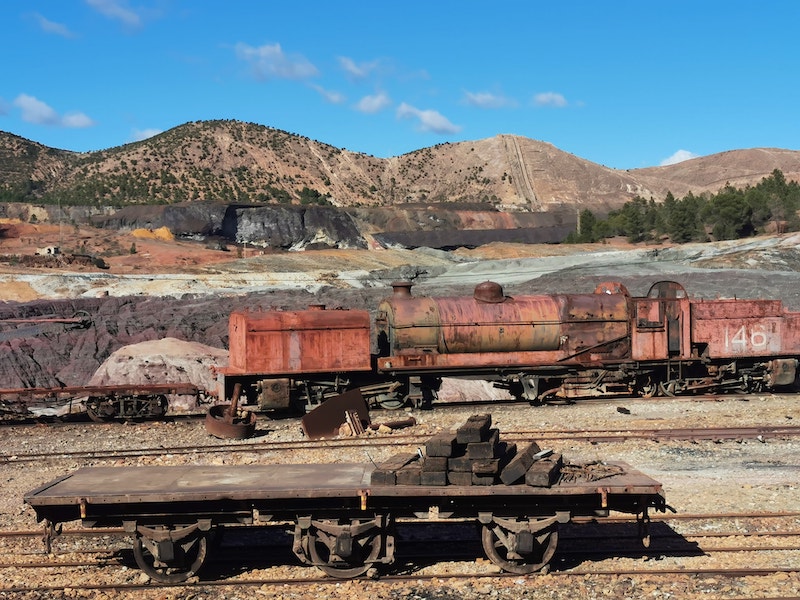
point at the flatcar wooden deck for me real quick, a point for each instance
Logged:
(197, 483)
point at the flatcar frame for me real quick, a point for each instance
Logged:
(342, 523)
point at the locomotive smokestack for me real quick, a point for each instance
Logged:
(401, 289)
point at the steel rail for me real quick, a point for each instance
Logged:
(285, 582)
(682, 434)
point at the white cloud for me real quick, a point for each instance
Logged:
(76, 120)
(429, 120)
(357, 70)
(143, 134)
(49, 26)
(373, 104)
(679, 156)
(551, 99)
(486, 100)
(38, 112)
(269, 61)
(330, 96)
(116, 10)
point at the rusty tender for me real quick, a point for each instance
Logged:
(566, 346)
(344, 514)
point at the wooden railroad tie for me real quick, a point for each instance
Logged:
(472, 455)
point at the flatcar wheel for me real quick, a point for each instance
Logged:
(186, 557)
(508, 551)
(99, 410)
(363, 552)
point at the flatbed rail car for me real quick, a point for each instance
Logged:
(101, 402)
(343, 523)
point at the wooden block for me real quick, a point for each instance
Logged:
(409, 475)
(381, 477)
(487, 466)
(542, 473)
(442, 444)
(482, 479)
(505, 452)
(398, 461)
(476, 429)
(519, 465)
(460, 463)
(557, 458)
(485, 449)
(434, 463)
(433, 478)
(385, 474)
(459, 477)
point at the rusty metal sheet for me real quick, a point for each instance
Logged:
(292, 342)
(475, 362)
(744, 328)
(325, 420)
(526, 323)
(760, 336)
(735, 309)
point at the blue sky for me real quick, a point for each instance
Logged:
(625, 84)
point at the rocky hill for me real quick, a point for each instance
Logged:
(236, 162)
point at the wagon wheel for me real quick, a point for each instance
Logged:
(510, 551)
(100, 410)
(364, 551)
(171, 562)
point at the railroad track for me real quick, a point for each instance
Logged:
(101, 569)
(9, 417)
(760, 433)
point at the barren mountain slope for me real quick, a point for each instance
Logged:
(740, 168)
(235, 162)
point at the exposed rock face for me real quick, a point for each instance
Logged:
(197, 218)
(296, 227)
(55, 355)
(289, 226)
(273, 226)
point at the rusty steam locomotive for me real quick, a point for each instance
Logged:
(540, 348)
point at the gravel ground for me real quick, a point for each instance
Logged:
(700, 477)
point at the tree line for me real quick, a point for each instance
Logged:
(731, 213)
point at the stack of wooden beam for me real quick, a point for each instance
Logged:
(472, 455)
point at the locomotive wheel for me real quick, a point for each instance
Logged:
(364, 551)
(502, 549)
(392, 401)
(670, 388)
(647, 389)
(188, 556)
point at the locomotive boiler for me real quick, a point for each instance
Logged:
(539, 347)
